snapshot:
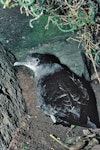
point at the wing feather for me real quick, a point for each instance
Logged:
(64, 96)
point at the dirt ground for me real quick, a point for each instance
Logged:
(35, 128)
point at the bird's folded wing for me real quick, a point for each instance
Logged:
(67, 96)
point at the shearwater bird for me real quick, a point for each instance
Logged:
(62, 95)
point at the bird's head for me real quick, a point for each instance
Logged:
(40, 62)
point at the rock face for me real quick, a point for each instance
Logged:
(12, 105)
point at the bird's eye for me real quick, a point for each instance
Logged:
(37, 60)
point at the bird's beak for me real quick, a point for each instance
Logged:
(29, 62)
(26, 62)
(20, 63)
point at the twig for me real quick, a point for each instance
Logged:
(80, 144)
(58, 141)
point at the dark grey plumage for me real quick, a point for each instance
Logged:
(62, 95)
